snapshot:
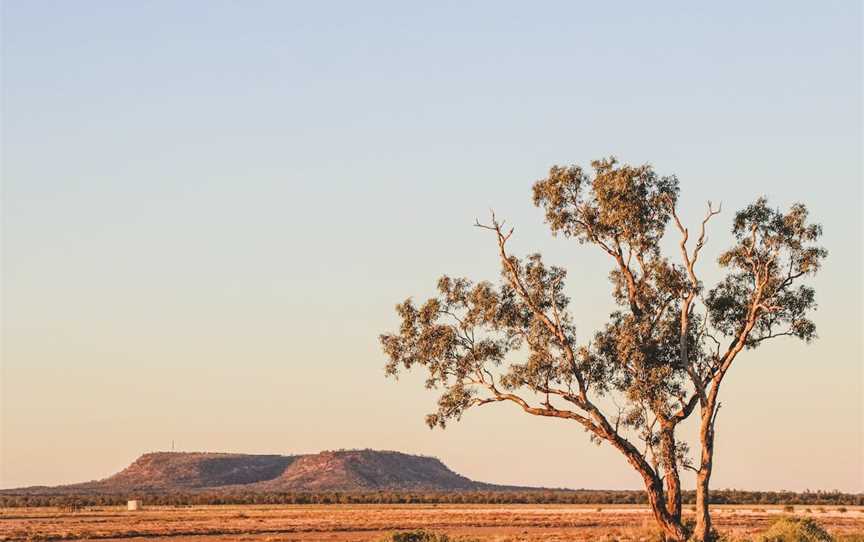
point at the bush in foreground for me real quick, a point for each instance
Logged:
(420, 536)
(791, 529)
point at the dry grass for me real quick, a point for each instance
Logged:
(343, 523)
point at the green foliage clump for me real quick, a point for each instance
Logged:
(790, 529)
(418, 536)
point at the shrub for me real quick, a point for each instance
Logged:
(789, 508)
(791, 529)
(418, 536)
(690, 525)
(842, 509)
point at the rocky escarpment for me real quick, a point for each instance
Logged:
(364, 470)
(344, 470)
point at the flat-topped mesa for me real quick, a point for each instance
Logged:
(359, 470)
(342, 470)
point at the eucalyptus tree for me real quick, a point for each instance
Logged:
(665, 350)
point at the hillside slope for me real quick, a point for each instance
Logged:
(344, 470)
(180, 471)
(364, 470)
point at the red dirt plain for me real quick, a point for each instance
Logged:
(344, 523)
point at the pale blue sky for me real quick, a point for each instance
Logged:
(210, 209)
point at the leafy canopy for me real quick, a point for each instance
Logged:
(660, 351)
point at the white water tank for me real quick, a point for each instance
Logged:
(133, 505)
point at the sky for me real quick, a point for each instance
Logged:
(210, 209)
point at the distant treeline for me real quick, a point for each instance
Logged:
(8, 500)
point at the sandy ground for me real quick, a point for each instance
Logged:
(344, 523)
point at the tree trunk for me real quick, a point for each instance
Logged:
(671, 526)
(703, 478)
(702, 531)
(670, 468)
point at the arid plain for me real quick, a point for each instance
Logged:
(372, 522)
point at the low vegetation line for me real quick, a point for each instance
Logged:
(761, 498)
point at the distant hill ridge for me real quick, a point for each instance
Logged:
(342, 470)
